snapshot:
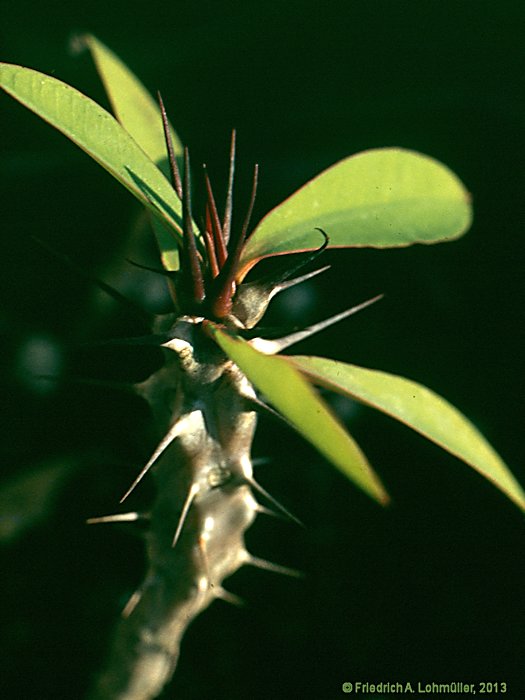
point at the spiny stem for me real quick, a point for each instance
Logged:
(174, 168)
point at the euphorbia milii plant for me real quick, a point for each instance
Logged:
(220, 367)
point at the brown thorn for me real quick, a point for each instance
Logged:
(250, 209)
(223, 298)
(210, 245)
(104, 286)
(174, 168)
(227, 221)
(190, 248)
(220, 245)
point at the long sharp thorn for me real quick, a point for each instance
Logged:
(271, 347)
(257, 487)
(131, 604)
(190, 248)
(117, 518)
(223, 298)
(297, 280)
(268, 511)
(174, 168)
(308, 257)
(249, 213)
(108, 289)
(270, 566)
(227, 220)
(220, 244)
(256, 402)
(194, 490)
(261, 461)
(210, 245)
(228, 597)
(163, 445)
(270, 285)
(156, 270)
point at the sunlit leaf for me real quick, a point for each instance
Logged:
(139, 114)
(382, 198)
(99, 134)
(418, 407)
(288, 391)
(132, 104)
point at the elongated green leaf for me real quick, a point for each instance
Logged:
(132, 104)
(419, 408)
(382, 198)
(99, 134)
(139, 114)
(293, 396)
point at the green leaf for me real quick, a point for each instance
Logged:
(293, 396)
(99, 134)
(139, 114)
(132, 104)
(418, 407)
(382, 198)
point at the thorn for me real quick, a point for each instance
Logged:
(174, 168)
(267, 511)
(194, 490)
(284, 272)
(162, 446)
(252, 298)
(227, 220)
(131, 604)
(297, 280)
(228, 597)
(249, 213)
(257, 487)
(220, 244)
(261, 461)
(213, 266)
(270, 566)
(118, 518)
(222, 302)
(190, 247)
(259, 403)
(107, 288)
(271, 347)
(156, 270)
(308, 257)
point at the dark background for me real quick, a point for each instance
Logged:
(430, 589)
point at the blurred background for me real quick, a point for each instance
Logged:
(430, 589)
